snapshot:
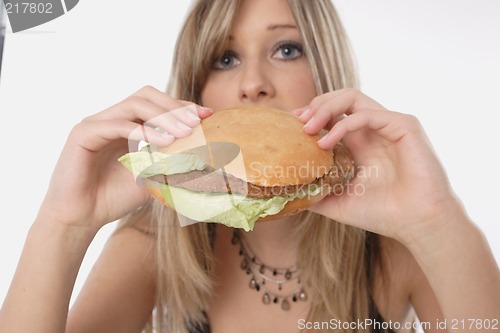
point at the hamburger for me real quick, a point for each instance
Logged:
(241, 166)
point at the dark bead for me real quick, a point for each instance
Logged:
(244, 264)
(275, 300)
(241, 252)
(285, 305)
(249, 270)
(257, 287)
(288, 275)
(279, 286)
(234, 240)
(294, 298)
(275, 272)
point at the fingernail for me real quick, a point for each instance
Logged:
(167, 137)
(193, 116)
(298, 112)
(323, 139)
(202, 108)
(310, 121)
(183, 126)
(303, 114)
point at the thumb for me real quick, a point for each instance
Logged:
(329, 207)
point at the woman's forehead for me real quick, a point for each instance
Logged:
(263, 14)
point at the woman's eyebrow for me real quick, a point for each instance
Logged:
(281, 26)
(274, 27)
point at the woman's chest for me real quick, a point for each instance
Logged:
(238, 305)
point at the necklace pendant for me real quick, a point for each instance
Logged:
(234, 240)
(285, 305)
(262, 275)
(244, 263)
(303, 295)
(266, 299)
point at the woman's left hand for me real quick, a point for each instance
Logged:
(400, 189)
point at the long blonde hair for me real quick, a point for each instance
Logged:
(334, 258)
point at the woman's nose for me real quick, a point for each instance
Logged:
(255, 84)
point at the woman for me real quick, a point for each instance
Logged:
(291, 55)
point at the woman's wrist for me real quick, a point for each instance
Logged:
(49, 223)
(447, 227)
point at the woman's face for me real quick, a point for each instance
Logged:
(264, 61)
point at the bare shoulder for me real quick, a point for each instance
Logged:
(401, 289)
(118, 295)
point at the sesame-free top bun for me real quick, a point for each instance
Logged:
(274, 147)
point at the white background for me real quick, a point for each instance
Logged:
(436, 59)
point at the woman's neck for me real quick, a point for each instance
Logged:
(272, 242)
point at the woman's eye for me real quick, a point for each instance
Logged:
(288, 51)
(227, 61)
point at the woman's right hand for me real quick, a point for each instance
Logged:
(89, 187)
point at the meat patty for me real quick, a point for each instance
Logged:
(216, 181)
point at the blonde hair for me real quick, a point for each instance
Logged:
(334, 258)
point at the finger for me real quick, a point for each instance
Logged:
(330, 105)
(326, 103)
(350, 123)
(321, 120)
(298, 112)
(179, 122)
(187, 115)
(336, 207)
(328, 207)
(167, 102)
(95, 135)
(160, 98)
(142, 111)
(204, 112)
(148, 105)
(391, 126)
(144, 105)
(200, 111)
(307, 114)
(346, 101)
(344, 96)
(338, 103)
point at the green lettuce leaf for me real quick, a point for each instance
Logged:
(233, 210)
(146, 164)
